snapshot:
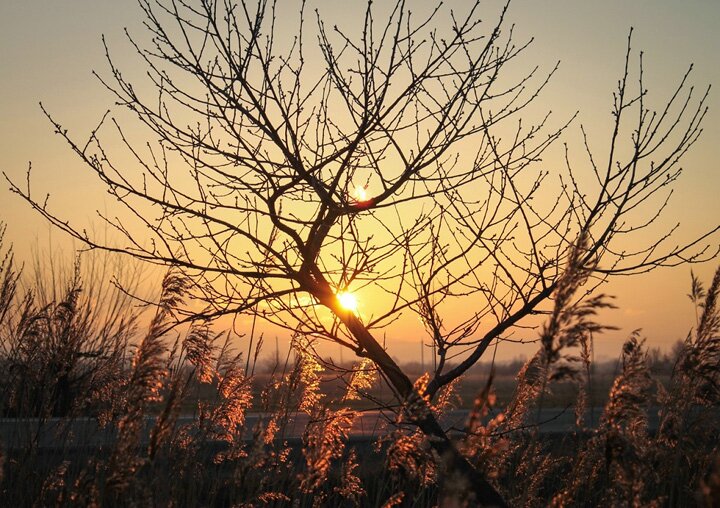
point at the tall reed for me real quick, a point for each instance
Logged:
(170, 410)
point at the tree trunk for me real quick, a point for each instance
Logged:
(472, 488)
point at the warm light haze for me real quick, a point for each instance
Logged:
(395, 253)
(50, 49)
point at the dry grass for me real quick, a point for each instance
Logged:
(66, 358)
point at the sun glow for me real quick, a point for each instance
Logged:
(360, 194)
(347, 301)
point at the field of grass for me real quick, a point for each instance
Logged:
(71, 348)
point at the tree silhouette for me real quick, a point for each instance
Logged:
(286, 168)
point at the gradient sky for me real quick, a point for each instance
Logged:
(48, 49)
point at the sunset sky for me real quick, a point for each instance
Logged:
(49, 48)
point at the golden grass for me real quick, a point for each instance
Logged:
(64, 361)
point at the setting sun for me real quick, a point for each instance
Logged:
(347, 301)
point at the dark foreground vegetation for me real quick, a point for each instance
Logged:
(74, 349)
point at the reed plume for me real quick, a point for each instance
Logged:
(146, 380)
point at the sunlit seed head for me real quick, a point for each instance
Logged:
(347, 301)
(360, 194)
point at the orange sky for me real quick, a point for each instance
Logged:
(47, 50)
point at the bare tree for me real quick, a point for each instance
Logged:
(287, 168)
